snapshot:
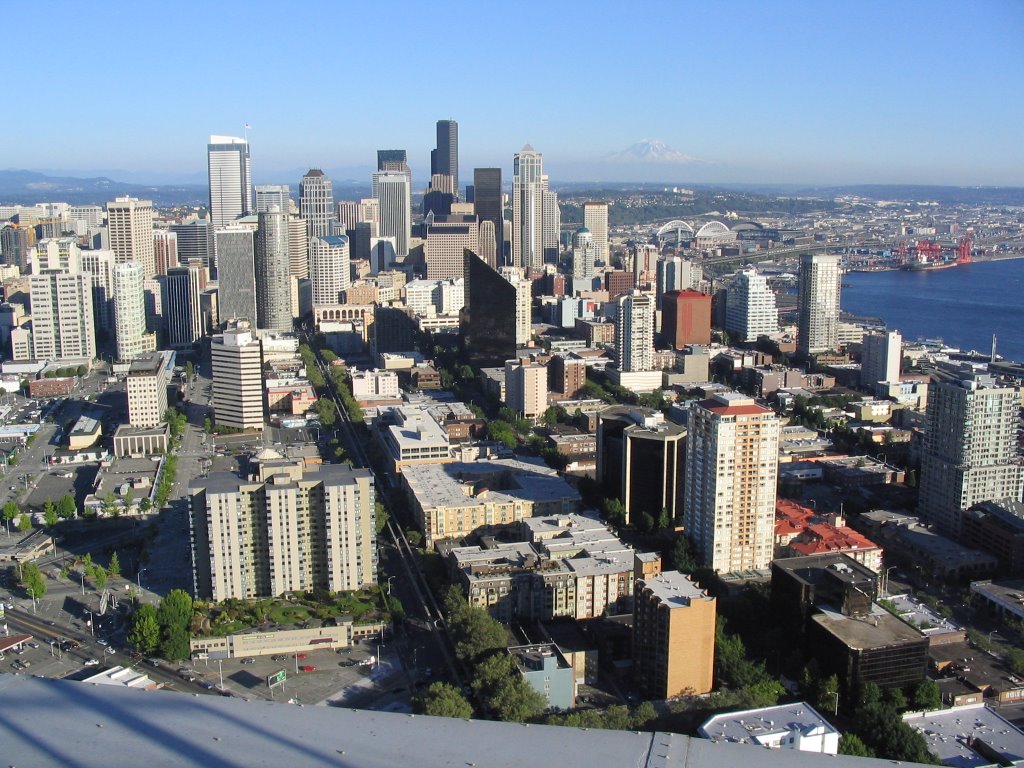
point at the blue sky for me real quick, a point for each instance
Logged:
(804, 92)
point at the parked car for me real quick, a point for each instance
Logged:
(278, 657)
(250, 660)
(307, 668)
(92, 662)
(301, 655)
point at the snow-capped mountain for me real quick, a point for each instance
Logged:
(650, 151)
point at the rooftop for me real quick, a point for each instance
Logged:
(756, 726)
(151, 363)
(674, 588)
(494, 481)
(876, 630)
(959, 737)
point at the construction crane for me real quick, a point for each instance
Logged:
(963, 251)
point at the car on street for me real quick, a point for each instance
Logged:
(207, 685)
(33, 644)
(101, 641)
(301, 655)
(92, 662)
(307, 668)
(278, 657)
(250, 660)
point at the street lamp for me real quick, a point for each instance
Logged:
(885, 581)
(92, 623)
(836, 694)
(139, 576)
(389, 585)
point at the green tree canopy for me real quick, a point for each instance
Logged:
(11, 511)
(443, 700)
(144, 634)
(114, 569)
(50, 517)
(175, 611)
(66, 507)
(927, 695)
(31, 579)
(174, 645)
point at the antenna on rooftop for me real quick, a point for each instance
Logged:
(993, 358)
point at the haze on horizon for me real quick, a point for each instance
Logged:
(786, 92)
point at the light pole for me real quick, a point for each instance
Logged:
(885, 581)
(389, 585)
(83, 582)
(139, 576)
(835, 711)
(32, 592)
(92, 623)
(220, 670)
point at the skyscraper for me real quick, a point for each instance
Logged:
(236, 290)
(487, 243)
(269, 195)
(634, 332)
(527, 209)
(329, 261)
(881, 357)
(100, 266)
(488, 318)
(130, 328)
(230, 178)
(676, 274)
(750, 307)
(488, 207)
(818, 328)
(445, 159)
(970, 451)
(595, 218)
(130, 226)
(180, 289)
(584, 257)
(447, 238)
(392, 190)
(316, 203)
(273, 273)
(62, 316)
(165, 250)
(552, 224)
(731, 469)
(196, 245)
(237, 365)
(298, 247)
(686, 318)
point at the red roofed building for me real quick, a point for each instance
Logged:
(800, 531)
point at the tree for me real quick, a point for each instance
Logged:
(24, 523)
(110, 506)
(50, 517)
(175, 611)
(614, 512)
(851, 744)
(114, 569)
(927, 695)
(207, 425)
(380, 517)
(680, 557)
(1015, 660)
(326, 411)
(144, 635)
(174, 644)
(98, 576)
(32, 580)
(443, 700)
(66, 507)
(10, 511)
(190, 372)
(504, 691)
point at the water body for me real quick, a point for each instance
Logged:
(963, 306)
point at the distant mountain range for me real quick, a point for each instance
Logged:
(21, 187)
(650, 151)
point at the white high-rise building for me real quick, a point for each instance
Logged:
(447, 239)
(881, 358)
(273, 273)
(298, 247)
(528, 209)
(486, 243)
(552, 224)
(60, 254)
(634, 332)
(230, 176)
(146, 384)
(676, 274)
(329, 268)
(818, 328)
(524, 304)
(130, 227)
(394, 198)
(237, 366)
(732, 459)
(130, 312)
(750, 307)
(62, 318)
(595, 219)
(100, 266)
(270, 195)
(584, 255)
(970, 452)
(526, 388)
(316, 203)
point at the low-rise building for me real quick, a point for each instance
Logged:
(801, 531)
(136, 442)
(795, 726)
(996, 527)
(412, 437)
(857, 471)
(342, 633)
(548, 672)
(85, 432)
(969, 737)
(375, 385)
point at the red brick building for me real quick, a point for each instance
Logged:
(686, 318)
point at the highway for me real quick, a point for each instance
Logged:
(431, 616)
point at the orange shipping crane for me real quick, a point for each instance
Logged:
(963, 251)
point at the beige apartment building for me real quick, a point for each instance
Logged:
(146, 383)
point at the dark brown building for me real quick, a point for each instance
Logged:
(686, 318)
(566, 375)
(996, 527)
(618, 282)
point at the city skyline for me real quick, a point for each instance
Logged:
(865, 94)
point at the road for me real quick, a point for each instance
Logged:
(428, 629)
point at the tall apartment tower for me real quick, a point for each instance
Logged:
(165, 250)
(329, 265)
(100, 266)
(732, 457)
(298, 247)
(316, 203)
(881, 358)
(62, 316)
(393, 191)
(526, 388)
(584, 256)
(285, 528)
(595, 218)
(970, 451)
(146, 384)
(183, 317)
(236, 279)
(487, 205)
(552, 224)
(818, 327)
(523, 304)
(634, 332)
(237, 362)
(750, 307)
(445, 159)
(130, 227)
(673, 636)
(447, 238)
(130, 330)
(528, 209)
(230, 176)
(273, 273)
